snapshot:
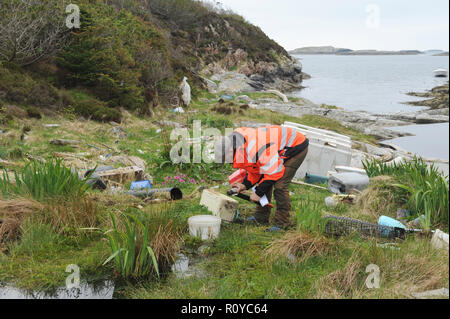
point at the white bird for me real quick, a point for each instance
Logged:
(186, 92)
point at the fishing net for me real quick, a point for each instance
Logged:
(341, 226)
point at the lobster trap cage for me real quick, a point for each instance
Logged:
(344, 226)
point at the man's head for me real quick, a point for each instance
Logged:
(225, 147)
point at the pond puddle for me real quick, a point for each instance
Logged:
(185, 267)
(85, 291)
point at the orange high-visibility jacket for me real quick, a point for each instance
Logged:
(263, 151)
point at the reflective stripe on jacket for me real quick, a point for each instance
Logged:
(263, 153)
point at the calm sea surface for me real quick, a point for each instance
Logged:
(378, 84)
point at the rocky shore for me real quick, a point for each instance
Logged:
(437, 98)
(376, 125)
(366, 122)
(369, 123)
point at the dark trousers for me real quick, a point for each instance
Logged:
(281, 192)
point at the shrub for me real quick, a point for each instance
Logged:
(115, 54)
(30, 29)
(19, 88)
(97, 111)
(34, 112)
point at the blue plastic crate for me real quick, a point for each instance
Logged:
(141, 185)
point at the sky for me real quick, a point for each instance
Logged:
(353, 24)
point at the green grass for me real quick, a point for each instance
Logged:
(235, 265)
(131, 251)
(309, 217)
(39, 260)
(42, 181)
(426, 188)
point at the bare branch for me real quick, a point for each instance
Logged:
(31, 29)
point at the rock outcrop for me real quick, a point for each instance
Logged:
(284, 73)
(438, 98)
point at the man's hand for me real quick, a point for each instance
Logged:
(239, 187)
(255, 198)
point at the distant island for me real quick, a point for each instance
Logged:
(441, 54)
(341, 51)
(319, 50)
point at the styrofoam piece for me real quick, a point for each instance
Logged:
(219, 204)
(318, 130)
(324, 139)
(205, 227)
(440, 240)
(327, 149)
(348, 169)
(321, 159)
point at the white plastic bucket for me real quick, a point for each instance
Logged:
(205, 227)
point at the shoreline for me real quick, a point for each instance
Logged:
(377, 125)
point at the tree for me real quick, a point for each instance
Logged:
(31, 29)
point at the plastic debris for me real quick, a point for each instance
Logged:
(219, 204)
(343, 183)
(96, 182)
(440, 241)
(390, 222)
(226, 97)
(315, 179)
(334, 200)
(141, 185)
(329, 201)
(161, 193)
(438, 293)
(185, 92)
(122, 175)
(179, 110)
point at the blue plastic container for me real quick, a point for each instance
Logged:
(141, 185)
(390, 222)
(227, 97)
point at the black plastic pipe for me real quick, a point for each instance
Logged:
(175, 193)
